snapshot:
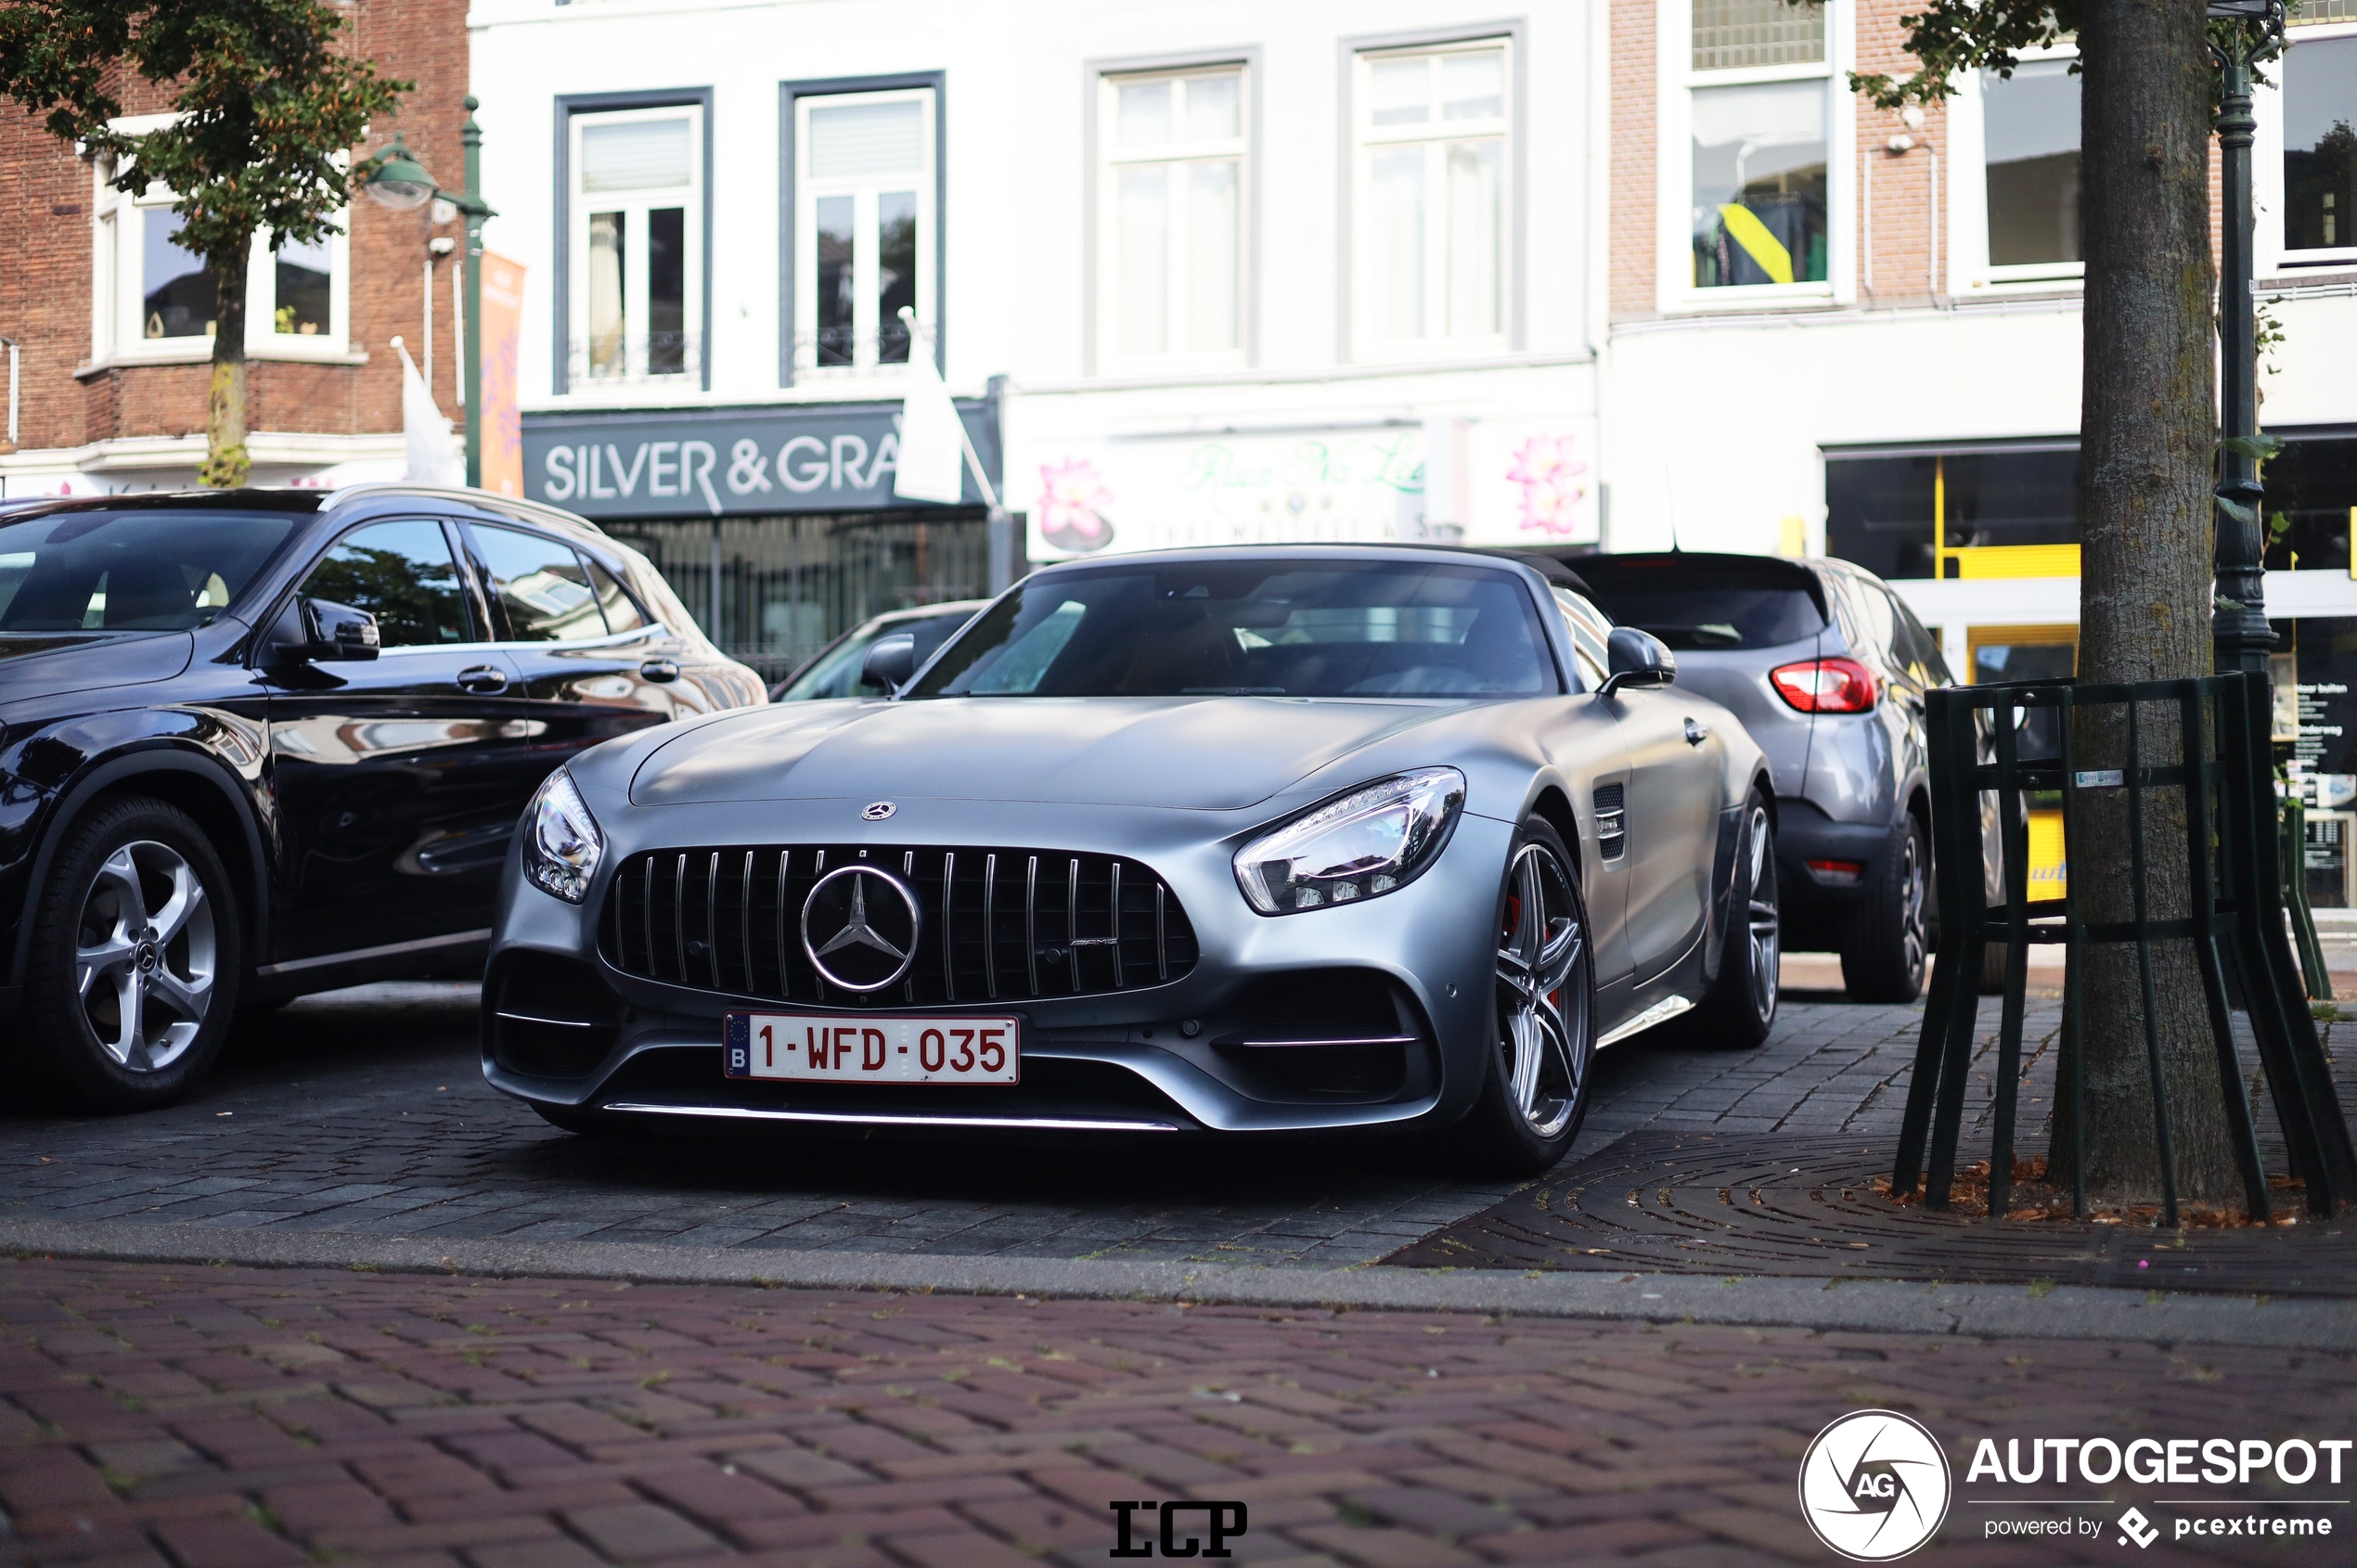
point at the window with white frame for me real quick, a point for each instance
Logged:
(1433, 167)
(863, 228)
(1170, 204)
(2029, 170)
(1758, 109)
(637, 245)
(152, 298)
(2319, 89)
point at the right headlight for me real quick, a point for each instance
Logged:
(561, 844)
(1376, 839)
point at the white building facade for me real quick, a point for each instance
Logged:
(1221, 272)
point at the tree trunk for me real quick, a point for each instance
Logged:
(225, 414)
(2148, 432)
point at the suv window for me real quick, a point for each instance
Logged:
(622, 613)
(1918, 647)
(1696, 606)
(541, 587)
(402, 573)
(143, 570)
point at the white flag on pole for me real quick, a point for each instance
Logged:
(436, 455)
(932, 444)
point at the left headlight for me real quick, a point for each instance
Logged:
(1376, 839)
(561, 844)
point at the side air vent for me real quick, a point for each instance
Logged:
(1611, 836)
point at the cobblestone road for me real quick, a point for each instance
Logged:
(222, 1418)
(364, 1113)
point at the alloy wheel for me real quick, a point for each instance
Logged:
(1765, 932)
(1913, 893)
(144, 955)
(1545, 1038)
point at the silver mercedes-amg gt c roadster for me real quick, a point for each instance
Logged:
(1211, 841)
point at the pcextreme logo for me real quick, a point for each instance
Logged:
(1874, 1485)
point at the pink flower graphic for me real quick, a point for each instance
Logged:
(1072, 501)
(1548, 475)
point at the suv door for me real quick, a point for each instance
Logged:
(397, 780)
(592, 665)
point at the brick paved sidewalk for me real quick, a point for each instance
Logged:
(218, 1418)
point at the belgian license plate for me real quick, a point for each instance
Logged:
(830, 1048)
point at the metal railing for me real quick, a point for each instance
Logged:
(2218, 777)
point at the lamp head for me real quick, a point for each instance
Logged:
(397, 180)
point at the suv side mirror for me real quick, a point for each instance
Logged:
(329, 630)
(890, 661)
(1639, 659)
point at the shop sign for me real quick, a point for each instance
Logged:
(731, 462)
(1522, 482)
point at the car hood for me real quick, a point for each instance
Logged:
(53, 663)
(1188, 752)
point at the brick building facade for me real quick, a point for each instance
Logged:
(107, 402)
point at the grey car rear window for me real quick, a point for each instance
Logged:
(1701, 612)
(1276, 628)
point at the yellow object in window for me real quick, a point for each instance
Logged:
(1746, 229)
(2049, 862)
(2014, 561)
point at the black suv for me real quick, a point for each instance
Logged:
(258, 743)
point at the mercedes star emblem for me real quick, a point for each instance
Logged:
(876, 811)
(853, 943)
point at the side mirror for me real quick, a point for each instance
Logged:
(335, 631)
(890, 661)
(1639, 659)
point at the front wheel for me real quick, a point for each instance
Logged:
(1542, 1016)
(136, 957)
(1741, 1006)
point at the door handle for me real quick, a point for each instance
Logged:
(662, 671)
(484, 680)
(1696, 733)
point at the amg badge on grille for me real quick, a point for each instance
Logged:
(855, 941)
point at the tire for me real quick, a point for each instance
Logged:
(136, 951)
(1543, 1037)
(1887, 951)
(1740, 1008)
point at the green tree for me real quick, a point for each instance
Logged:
(266, 104)
(2148, 443)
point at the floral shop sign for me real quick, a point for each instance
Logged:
(731, 462)
(1502, 482)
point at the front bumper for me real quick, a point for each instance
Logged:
(1410, 972)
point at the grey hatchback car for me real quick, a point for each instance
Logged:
(1827, 668)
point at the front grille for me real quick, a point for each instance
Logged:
(998, 924)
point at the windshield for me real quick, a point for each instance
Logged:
(836, 673)
(130, 571)
(1272, 628)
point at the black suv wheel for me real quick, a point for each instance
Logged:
(135, 957)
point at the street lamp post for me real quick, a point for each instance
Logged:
(398, 182)
(2239, 618)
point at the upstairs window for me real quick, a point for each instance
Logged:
(153, 298)
(1433, 169)
(864, 224)
(1170, 196)
(1758, 121)
(2319, 79)
(637, 254)
(2029, 141)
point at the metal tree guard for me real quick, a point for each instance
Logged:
(2225, 770)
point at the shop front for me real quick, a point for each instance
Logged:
(777, 526)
